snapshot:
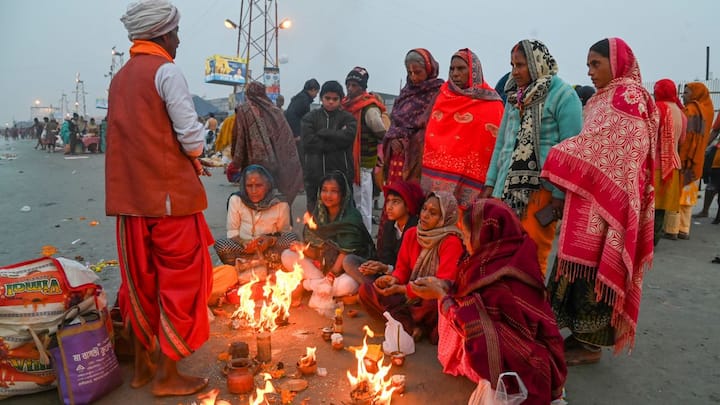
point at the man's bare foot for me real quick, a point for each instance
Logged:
(144, 376)
(145, 368)
(178, 385)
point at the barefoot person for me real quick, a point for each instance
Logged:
(152, 186)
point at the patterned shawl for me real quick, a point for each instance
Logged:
(607, 173)
(430, 239)
(346, 232)
(409, 117)
(356, 106)
(524, 175)
(498, 304)
(666, 158)
(460, 135)
(699, 112)
(262, 136)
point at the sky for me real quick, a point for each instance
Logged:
(45, 43)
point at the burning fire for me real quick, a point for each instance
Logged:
(260, 393)
(308, 219)
(277, 297)
(372, 385)
(309, 357)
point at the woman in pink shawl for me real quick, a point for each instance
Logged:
(606, 237)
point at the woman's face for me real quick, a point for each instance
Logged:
(256, 187)
(520, 71)
(430, 214)
(687, 93)
(331, 194)
(467, 236)
(416, 72)
(459, 72)
(599, 69)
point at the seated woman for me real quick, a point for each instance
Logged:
(258, 220)
(402, 203)
(495, 317)
(433, 248)
(339, 231)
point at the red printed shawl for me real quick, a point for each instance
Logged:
(607, 173)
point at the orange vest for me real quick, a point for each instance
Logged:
(145, 167)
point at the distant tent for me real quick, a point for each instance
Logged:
(203, 107)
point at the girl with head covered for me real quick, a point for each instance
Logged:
(541, 111)
(494, 317)
(433, 248)
(461, 131)
(607, 174)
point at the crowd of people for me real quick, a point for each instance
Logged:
(476, 180)
(75, 132)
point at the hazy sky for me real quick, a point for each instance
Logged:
(44, 43)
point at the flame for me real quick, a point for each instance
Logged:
(377, 383)
(309, 357)
(276, 300)
(308, 219)
(260, 393)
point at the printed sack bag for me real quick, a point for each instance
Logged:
(84, 360)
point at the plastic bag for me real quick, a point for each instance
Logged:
(321, 299)
(485, 395)
(396, 339)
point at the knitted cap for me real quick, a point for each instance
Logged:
(358, 75)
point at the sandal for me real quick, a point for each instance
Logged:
(581, 355)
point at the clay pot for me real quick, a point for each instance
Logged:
(337, 341)
(398, 358)
(327, 333)
(307, 369)
(239, 378)
(398, 381)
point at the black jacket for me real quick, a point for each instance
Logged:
(299, 106)
(327, 139)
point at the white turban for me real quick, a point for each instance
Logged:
(149, 19)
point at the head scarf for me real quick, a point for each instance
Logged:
(699, 112)
(410, 192)
(667, 157)
(523, 176)
(409, 118)
(430, 239)
(262, 136)
(346, 231)
(477, 87)
(498, 301)
(607, 173)
(150, 19)
(271, 198)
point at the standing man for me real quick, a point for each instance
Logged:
(367, 110)
(153, 141)
(212, 125)
(299, 106)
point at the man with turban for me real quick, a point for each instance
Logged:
(152, 186)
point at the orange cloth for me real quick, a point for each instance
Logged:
(166, 280)
(699, 112)
(145, 47)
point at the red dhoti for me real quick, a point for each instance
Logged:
(166, 280)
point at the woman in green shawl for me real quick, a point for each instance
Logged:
(335, 230)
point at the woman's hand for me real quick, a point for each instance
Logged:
(387, 285)
(372, 267)
(262, 243)
(429, 287)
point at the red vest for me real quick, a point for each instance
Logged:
(145, 167)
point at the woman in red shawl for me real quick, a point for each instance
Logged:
(403, 143)
(495, 317)
(667, 161)
(460, 135)
(606, 236)
(263, 137)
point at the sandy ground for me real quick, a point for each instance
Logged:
(675, 359)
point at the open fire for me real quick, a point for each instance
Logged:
(368, 387)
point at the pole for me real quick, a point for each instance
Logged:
(277, 36)
(707, 63)
(237, 49)
(265, 37)
(247, 61)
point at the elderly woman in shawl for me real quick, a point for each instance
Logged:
(460, 134)
(494, 317)
(336, 231)
(606, 237)
(433, 248)
(541, 111)
(699, 112)
(403, 143)
(667, 161)
(258, 220)
(262, 136)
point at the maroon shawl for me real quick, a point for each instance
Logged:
(498, 304)
(262, 136)
(409, 118)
